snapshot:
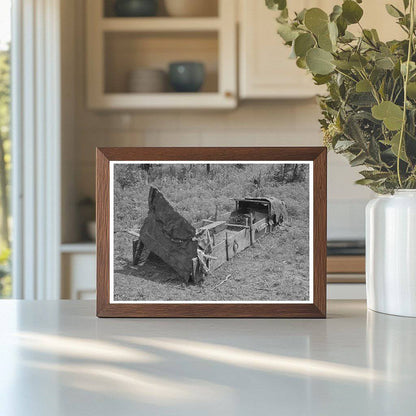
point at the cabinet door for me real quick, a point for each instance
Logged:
(265, 68)
(376, 17)
(78, 276)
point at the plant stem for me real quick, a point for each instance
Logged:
(373, 89)
(345, 75)
(406, 80)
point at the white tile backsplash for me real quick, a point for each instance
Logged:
(346, 219)
(258, 123)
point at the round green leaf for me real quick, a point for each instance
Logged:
(286, 32)
(321, 79)
(351, 11)
(358, 61)
(411, 90)
(342, 25)
(391, 114)
(375, 35)
(342, 64)
(393, 11)
(324, 42)
(319, 61)
(303, 43)
(333, 32)
(327, 40)
(336, 12)
(363, 86)
(276, 4)
(316, 20)
(301, 63)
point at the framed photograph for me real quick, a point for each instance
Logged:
(211, 232)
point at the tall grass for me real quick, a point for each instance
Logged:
(197, 194)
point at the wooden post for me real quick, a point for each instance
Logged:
(250, 223)
(140, 254)
(137, 249)
(226, 246)
(196, 275)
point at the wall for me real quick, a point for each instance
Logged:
(265, 123)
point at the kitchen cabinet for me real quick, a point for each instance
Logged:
(118, 45)
(265, 70)
(78, 264)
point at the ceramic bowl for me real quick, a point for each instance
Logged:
(186, 76)
(147, 80)
(135, 8)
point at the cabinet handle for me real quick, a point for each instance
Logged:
(228, 94)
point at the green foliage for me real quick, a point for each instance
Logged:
(4, 90)
(5, 166)
(5, 281)
(5, 143)
(319, 61)
(351, 12)
(276, 4)
(391, 114)
(369, 113)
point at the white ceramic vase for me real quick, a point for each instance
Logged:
(391, 253)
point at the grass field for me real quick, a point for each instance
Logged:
(275, 268)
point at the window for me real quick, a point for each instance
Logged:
(5, 145)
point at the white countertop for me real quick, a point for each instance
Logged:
(57, 359)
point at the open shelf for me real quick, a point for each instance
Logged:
(127, 51)
(160, 24)
(80, 247)
(116, 46)
(162, 101)
(108, 9)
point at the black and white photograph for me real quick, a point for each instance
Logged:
(211, 232)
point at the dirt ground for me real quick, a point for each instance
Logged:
(262, 272)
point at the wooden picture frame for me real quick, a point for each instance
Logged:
(314, 308)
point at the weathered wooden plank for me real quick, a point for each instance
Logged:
(227, 257)
(136, 251)
(260, 229)
(140, 253)
(214, 227)
(237, 227)
(223, 217)
(259, 225)
(197, 275)
(167, 234)
(219, 252)
(238, 242)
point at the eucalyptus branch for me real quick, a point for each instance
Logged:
(392, 90)
(406, 80)
(373, 89)
(364, 108)
(346, 75)
(398, 95)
